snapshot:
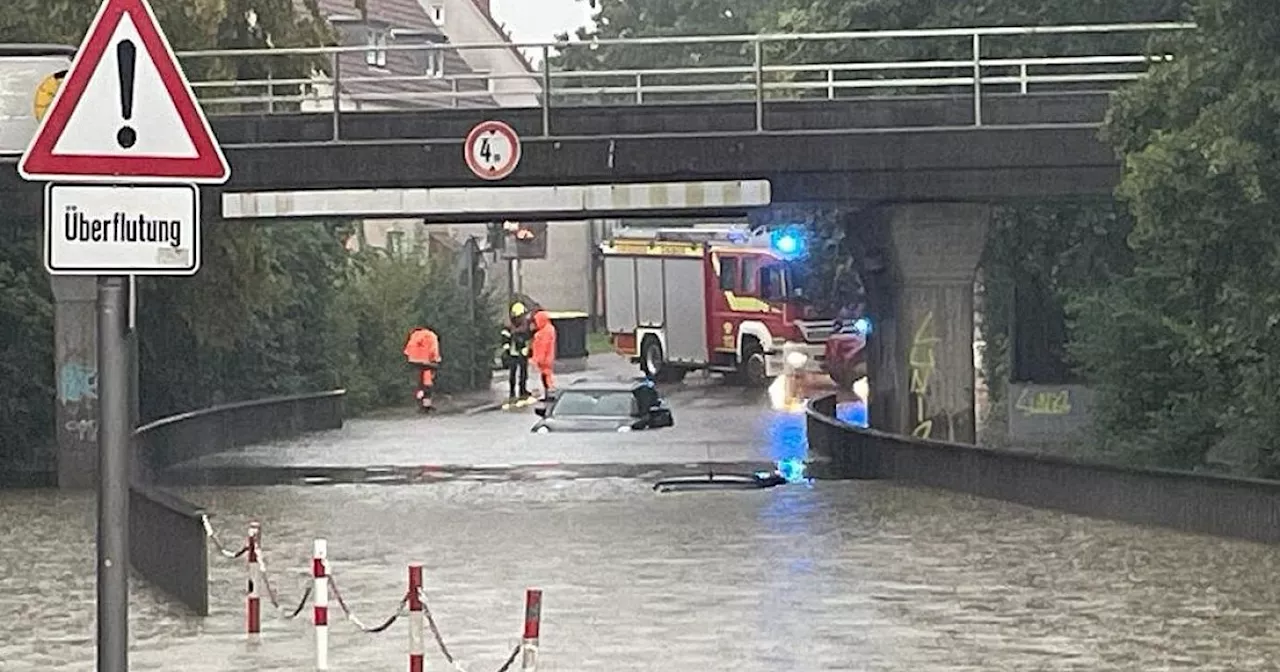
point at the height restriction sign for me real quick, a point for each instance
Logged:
(492, 150)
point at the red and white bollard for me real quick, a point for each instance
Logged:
(320, 602)
(416, 619)
(253, 604)
(532, 627)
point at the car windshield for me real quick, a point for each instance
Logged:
(599, 403)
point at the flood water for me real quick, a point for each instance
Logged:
(837, 576)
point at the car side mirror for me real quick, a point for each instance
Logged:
(540, 411)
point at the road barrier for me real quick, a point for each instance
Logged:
(187, 436)
(1240, 508)
(167, 534)
(167, 545)
(324, 583)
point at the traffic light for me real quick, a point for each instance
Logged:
(526, 240)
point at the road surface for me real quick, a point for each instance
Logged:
(838, 576)
(716, 423)
(827, 576)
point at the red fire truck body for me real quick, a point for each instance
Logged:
(689, 299)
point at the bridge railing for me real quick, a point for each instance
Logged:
(757, 69)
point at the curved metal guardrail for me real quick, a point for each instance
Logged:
(1200, 503)
(760, 69)
(186, 436)
(167, 535)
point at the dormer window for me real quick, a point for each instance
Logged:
(434, 63)
(376, 56)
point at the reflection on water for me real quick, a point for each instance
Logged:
(852, 576)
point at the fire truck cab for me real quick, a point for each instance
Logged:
(724, 299)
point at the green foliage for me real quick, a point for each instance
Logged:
(195, 24)
(322, 318)
(275, 309)
(384, 299)
(653, 18)
(1187, 349)
(26, 345)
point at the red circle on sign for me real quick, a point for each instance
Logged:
(492, 167)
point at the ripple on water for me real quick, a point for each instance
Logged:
(836, 576)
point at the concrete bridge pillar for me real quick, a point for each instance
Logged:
(76, 377)
(922, 365)
(75, 354)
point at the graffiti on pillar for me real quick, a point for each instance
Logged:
(923, 363)
(83, 430)
(77, 382)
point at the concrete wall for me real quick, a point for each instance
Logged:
(1199, 503)
(176, 439)
(168, 546)
(465, 22)
(1048, 413)
(561, 281)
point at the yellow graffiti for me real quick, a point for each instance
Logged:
(922, 362)
(1044, 403)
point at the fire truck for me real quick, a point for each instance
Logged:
(725, 299)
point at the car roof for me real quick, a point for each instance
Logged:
(607, 385)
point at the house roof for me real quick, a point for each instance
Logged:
(487, 11)
(407, 23)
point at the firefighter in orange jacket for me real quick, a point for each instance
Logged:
(544, 350)
(423, 352)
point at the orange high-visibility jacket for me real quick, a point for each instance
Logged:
(423, 347)
(544, 341)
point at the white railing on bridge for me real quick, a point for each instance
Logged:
(745, 68)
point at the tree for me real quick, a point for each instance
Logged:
(272, 309)
(1187, 348)
(26, 346)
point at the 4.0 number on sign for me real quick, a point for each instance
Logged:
(492, 150)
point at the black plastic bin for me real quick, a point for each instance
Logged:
(571, 334)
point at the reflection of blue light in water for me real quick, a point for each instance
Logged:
(854, 413)
(785, 434)
(792, 470)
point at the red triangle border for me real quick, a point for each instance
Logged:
(209, 164)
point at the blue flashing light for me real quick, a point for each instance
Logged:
(787, 242)
(863, 326)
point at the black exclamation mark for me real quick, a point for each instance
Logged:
(126, 55)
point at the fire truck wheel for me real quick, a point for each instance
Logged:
(654, 365)
(753, 371)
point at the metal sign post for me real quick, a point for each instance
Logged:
(114, 453)
(127, 140)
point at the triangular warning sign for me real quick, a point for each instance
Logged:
(125, 112)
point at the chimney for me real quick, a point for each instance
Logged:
(484, 7)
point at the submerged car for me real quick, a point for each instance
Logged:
(604, 407)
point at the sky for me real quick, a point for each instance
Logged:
(540, 20)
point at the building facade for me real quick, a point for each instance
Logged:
(449, 73)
